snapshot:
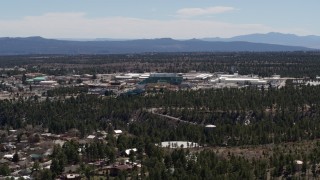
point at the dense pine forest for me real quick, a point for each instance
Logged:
(259, 132)
(249, 116)
(289, 64)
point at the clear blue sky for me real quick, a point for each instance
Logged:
(156, 18)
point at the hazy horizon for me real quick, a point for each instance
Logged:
(125, 19)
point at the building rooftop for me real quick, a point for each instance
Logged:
(163, 75)
(118, 131)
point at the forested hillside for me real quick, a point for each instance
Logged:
(248, 116)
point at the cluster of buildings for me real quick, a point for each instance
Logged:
(36, 146)
(31, 84)
(196, 80)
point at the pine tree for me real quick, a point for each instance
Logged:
(15, 158)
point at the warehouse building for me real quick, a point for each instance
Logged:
(238, 79)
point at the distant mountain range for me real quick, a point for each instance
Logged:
(39, 45)
(275, 38)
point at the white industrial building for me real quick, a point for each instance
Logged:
(144, 76)
(48, 83)
(243, 80)
(197, 76)
(237, 79)
(204, 76)
(132, 76)
(123, 77)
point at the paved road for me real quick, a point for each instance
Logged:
(152, 110)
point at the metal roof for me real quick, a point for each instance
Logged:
(163, 75)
